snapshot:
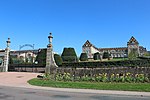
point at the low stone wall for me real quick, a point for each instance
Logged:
(109, 70)
(27, 68)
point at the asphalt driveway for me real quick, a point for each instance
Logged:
(16, 78)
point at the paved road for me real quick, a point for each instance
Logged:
(14, 93)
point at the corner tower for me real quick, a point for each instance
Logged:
(133, 46)
(89, 49)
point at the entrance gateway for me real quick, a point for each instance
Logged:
(29, 55)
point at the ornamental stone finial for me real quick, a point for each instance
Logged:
(8, 42)
(50, 38)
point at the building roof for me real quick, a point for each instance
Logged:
(117, 48)
(133, 41)
(24, 51)
(87, 44)
(2, 50)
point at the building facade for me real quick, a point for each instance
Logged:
(25, 55)
(118, 52)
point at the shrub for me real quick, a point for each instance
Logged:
(69, 55)
(83, 57)
(96, 56)
(58, 59)
(104, 77)
(125, 63)
(41, 57)
(106, 55)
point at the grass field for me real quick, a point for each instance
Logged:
(145, 87)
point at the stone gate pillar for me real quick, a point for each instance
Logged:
(50, 62)
(6, 56)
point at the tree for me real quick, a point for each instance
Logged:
(41, 57)
(69, 55)
(106, 55)
(96, 56)
(58, 59)
(83, 57)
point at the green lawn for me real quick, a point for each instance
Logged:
(88, 85)
(118, 59)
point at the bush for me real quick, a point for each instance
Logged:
(41, 57)
(83, 57)
(58, 59)
(125, 63)
(106, 55)
(104, 77)
(96, 56)
(69, 55)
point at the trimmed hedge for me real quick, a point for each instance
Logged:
(125, 63)
(83, 57)
(69, 55)
(106, 55)
(96, 56)
(58, 59)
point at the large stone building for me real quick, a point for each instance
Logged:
(118, 52)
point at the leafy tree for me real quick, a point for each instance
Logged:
(106, 55)
(69, 55)
(41, 57)
(83, 57)
(58, 59)
(96, 56)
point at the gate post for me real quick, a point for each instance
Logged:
(50, 62)
(6, 56)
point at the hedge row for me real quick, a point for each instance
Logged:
(125, 63)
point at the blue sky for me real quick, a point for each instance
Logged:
(106, 23)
